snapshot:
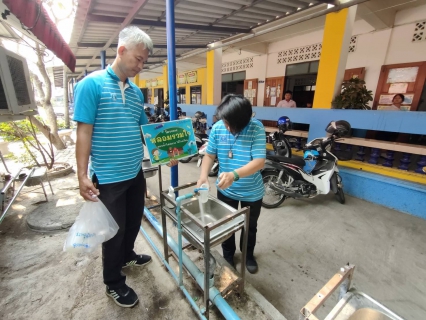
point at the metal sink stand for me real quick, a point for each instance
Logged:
(207, 242)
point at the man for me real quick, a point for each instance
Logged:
(287, 102)
(109, 111)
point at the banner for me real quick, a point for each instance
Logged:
(181, 78)
(154, 82)
(148, 83)
(191, 76)
(169, 140)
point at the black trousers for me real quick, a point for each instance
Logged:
(229, 246)
(125, 201)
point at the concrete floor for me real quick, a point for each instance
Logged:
(303, 243)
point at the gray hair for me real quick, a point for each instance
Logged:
(132, 36)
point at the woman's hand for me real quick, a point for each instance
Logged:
(202, 181)
(225, 180)
(172, 163)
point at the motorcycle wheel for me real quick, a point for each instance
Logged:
(214, 172)
(340, 195)
(186, 160)
(271, 199)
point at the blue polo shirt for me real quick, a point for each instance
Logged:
(249, 144)
(115, 109)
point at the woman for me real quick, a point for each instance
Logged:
(238, 141)
(397, 101)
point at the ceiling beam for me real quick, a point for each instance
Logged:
(155, 23)
(334, 2)
(158, 46)
(130, 16)
(252, 4)
(380, 20)
(98, 65)
(113, 57)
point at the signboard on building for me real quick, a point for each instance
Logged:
(181, 78)
(154, 82)
(160, 82)
(148, 83)
(191, 77)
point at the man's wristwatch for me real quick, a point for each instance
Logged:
(236, 176)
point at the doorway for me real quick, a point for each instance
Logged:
(145, 94)
(301, 78)
(159, 97)
(233, 83)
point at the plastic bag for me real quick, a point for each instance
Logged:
(93, 226)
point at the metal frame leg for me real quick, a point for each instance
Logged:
(206, 270)
(163, 217)
(44, 190)
(244, 256)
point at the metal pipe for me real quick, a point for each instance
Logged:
(188, 296)
(215, 296)
(179, 227)
(16, 194)
(283, 25)
(171, 72)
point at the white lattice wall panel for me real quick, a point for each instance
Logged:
(352, 44)
(306, 53)
(237, 65)
(419, 31)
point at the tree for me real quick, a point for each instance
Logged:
(50, 131)
(354, 95)
(59, 11)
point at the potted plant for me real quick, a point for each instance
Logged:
(354, 95)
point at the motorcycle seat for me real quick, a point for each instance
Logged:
(296, 161)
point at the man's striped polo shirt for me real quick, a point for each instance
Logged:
(116, 112)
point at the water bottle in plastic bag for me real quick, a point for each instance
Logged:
(93, 226)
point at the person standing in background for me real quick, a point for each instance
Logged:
(397, 101)
(287, 102)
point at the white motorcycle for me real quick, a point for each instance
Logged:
(313, 175)
(201, 153)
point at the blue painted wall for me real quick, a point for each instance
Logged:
(394, 121)
(400, 195)
(393, 193)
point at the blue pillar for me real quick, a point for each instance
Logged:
(171, 64)
(103, 59)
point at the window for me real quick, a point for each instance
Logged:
(236, 76)
(302, 68)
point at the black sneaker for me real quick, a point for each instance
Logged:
(139, 261)
(251, 265)
(125, 296)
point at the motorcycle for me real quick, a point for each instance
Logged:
(201, 153)
(313, 175)
(278, 140)
(199, 123)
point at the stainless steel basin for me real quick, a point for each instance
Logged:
(214, 210)
(148, 170)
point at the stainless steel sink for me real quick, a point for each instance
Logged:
(214, 210)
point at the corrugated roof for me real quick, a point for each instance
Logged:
(198, 23)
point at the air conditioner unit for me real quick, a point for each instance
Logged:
(16, 94)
